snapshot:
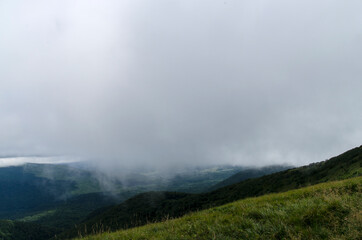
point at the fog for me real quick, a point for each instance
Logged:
(169, 84)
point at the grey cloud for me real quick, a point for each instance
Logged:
(175, 83)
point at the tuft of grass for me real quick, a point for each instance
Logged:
(330, 210)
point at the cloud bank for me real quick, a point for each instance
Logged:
(175, 83)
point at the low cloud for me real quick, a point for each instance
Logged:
(168, 84)
(17, 161)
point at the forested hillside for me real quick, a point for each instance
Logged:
(325, 211)
(15, 230)
(130, 214)
(250, 173)
(60, 196)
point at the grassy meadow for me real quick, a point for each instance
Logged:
(330, 210)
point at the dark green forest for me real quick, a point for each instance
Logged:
(16, 230)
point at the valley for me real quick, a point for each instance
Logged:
(84, 209)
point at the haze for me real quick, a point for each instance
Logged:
(179, 83)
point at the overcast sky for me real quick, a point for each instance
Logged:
(175, 83)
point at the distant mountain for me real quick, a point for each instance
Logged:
(22, 192)
(166, 205)
(196, 180)
(33, 188)
(250, 173)
(63, 195)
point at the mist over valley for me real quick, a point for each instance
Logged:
(180, 119)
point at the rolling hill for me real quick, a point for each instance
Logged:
(52, 216)
(130, 214)
(325, 211)
(59, 196)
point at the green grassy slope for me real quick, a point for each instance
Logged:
(129, 214)
(346, 165)
(326, 211)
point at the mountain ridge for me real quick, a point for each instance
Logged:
(324, 211)
(126, 214)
